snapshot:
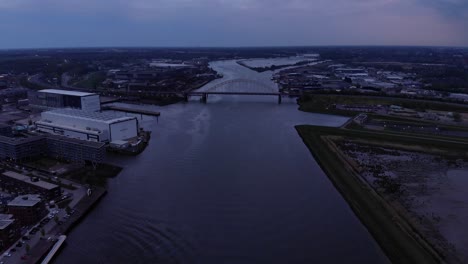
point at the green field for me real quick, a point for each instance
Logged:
(397, 237)
(322, 103)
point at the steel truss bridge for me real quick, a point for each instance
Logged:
(232, 87)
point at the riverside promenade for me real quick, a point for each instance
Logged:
(38, 252)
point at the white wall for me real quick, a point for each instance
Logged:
(91, 103)
(117, 131)
(124, 130)
(72, 133)
(74, 122)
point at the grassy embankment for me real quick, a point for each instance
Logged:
(397, 236)
(323, 103)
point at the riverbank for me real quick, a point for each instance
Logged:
(397, 237)
(273, 67)
(81, 210)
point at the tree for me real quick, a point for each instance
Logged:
(457, 117)
(68, 209)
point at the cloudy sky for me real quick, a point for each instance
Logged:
(194, 23)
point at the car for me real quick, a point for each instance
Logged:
(7, 255)
(24, 257)
(25, 238)
(19, 244)
(13, 250)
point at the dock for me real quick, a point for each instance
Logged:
(132, 110)
(110, 100)
(42, 250)
(54, 249)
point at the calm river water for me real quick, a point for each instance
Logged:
(225, 182)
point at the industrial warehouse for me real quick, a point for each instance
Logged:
(90, 126)
(52, 98)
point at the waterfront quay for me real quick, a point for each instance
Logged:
(49, 208)
(40, 251)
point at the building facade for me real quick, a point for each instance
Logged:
(90, 126)
(20, 149)
(19, 183)
(52, 98)
(75, 150)
(9, 231)
(27, 209)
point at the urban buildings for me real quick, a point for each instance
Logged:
(27, 209)
(9, 231)
(52, 98)
(70, 149)
(75, 150)
(90, 126)
(21, 148)
(6, 130)
(19, 183)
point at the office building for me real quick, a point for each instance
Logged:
(20, 149)
(9, 231)
(19, 183)
(27, 209)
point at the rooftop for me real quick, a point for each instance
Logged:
(65, 92)
(92, 116)
(6, 220)
(27, 179)
(25, 200)
(19, 140)
(5, 217)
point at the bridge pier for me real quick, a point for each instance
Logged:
(204, 98)
(279, 99)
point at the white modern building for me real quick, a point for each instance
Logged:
(53, 98)
(87, 125)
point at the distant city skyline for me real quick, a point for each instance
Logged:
(231, 23)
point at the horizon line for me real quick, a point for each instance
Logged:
(235, 47)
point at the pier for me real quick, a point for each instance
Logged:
(132, 110)
(54, 249)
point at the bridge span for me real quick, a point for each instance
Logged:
(231, 87)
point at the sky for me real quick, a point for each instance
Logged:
(231, 23)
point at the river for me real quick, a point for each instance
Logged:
(226, 182)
